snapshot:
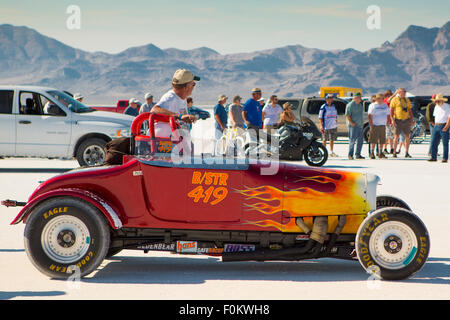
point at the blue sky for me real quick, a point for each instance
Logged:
(228, 26)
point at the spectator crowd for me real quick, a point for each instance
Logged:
(390, 118)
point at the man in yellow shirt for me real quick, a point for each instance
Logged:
(402, 118)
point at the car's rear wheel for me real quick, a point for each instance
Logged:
(66, 235)
(392, 243)
(91, 152)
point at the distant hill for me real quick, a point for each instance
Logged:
(419, 59)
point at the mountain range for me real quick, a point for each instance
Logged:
(419, 59)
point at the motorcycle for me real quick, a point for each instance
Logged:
(296, 141)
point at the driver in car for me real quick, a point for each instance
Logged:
(173, 102)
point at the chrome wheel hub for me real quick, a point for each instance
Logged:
(94, 155)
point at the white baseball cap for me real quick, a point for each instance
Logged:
(77, 96)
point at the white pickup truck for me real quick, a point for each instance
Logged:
(46, 122)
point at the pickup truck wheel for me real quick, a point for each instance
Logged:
(91, 152)
(66, 237)
(392, 244)
(366, 131)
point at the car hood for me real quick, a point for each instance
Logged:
(105, 116)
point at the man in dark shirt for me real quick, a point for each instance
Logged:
(252, 114)
(132, 108)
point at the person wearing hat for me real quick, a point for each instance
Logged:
(173, 103)
(401, 118)
(328, 122)
(354, 116)
(252, 115)
(221, 117)
(441, 127)
(78, 96)
(287, 116)
(132, 109)
(148, 105)
(379, 115)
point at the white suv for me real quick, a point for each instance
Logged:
(46, 122)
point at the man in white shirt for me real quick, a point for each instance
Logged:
(441, 115)
(379, 115)
(173, 102)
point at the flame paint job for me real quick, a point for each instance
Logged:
(307, 193)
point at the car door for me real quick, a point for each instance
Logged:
(43, 128)
(7, 124)
(192, 193)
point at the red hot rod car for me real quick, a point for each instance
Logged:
(77, 219)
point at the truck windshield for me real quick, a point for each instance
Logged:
(69, 102)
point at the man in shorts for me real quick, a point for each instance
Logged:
(328, 123)
(378, 118)
(402, 119)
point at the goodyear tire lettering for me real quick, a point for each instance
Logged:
(376, 220)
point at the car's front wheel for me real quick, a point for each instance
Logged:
(91, 152)
(392, 243)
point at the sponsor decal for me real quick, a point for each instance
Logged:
(210, 250)
(187, 246)
(158, 247)
(239, 247)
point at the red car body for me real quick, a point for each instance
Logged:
(158, 194)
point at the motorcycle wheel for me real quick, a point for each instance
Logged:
(316, 154)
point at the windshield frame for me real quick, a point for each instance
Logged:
(69, 102)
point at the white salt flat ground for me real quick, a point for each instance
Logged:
(135, 275)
